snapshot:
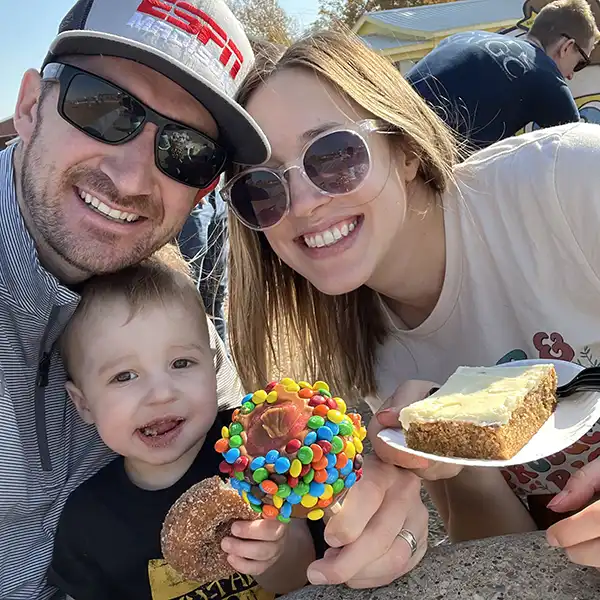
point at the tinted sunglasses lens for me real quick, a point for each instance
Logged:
(188, 156)
(582, 64)
(259, 198)
(101, 110)
(338, 162)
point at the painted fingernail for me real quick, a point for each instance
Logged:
(558, 499)
(316, 577)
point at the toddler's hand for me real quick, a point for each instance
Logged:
(254, 546)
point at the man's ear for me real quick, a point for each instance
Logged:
(26, 109)
(79, 401)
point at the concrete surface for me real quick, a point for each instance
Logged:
(518, 567)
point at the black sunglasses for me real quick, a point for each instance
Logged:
(108, 113)
(585, 59)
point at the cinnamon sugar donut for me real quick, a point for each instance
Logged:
(195, 525)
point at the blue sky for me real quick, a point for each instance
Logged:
(32, 25)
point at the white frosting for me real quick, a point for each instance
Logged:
(480, 395)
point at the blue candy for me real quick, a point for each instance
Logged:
(272, 456)
(331, 460)
(311, 438)
(332, 476)
(293, 498)
(317, 489)
(282, 465)
(350, 480)
(335, 428)
(347, 468)
(235, 484)
(286, 510)
(257, 463)
(324, 433)
(245, 486)
(253, 499)
(231, 455)
(247, 398)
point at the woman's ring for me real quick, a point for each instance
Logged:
(410, 539)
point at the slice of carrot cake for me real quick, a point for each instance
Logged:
(486, 413)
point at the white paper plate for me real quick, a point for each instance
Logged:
(574, 416)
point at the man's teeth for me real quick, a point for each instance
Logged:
(329, 236)
(111, 213)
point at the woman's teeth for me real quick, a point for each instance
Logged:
(111, 213)
(331, 236)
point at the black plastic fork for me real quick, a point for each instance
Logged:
(587, 380)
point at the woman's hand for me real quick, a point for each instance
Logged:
(387, 416)
(366, 550)
(579, 535)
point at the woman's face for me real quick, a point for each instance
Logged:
(338, 243)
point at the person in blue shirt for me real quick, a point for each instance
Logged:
(488, 86)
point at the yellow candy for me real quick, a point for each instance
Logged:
(308, 501)
(287, 381)
(292, 387)
(341, 405)
(295, 468)
(315, 515)
(362, 433)
(245, 497)
(272, 397)
(335, 416)
(327, 493)
(358, 445)
(225, 433)
(259, 397)
(320, 385)
(350, 449)
(304, 384)
(278, 501)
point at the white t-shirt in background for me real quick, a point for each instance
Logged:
(522, 276)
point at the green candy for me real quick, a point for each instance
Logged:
(284, 490)
(309, 476)
(336, 444)
(301, 489)
(345, 428)
(316, 422)
(324, 393)
(260, 475)
(305, 455)
(283, 519)
(235, 441)
(247, 408)
(338, 486)
(239, 475)
(236, 428)
(257, 508)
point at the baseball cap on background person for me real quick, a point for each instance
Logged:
(198, 44)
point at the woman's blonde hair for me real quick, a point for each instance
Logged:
(279, 322)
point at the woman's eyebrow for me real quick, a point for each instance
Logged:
(311, 133)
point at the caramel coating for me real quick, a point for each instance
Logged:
(195, 525)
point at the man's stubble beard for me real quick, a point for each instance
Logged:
(41, 191)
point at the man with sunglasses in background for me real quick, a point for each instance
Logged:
(489, 86)
(129, 125)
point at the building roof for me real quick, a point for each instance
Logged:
(461, 14)
(385, 42)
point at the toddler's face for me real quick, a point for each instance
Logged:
(147, 382)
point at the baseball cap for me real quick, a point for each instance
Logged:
(198, 44)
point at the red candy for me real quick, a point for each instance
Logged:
(306, 393)
(225, 468)
(325, 445)
(331, 403)
(359, 474)
(270, 387)
(292, 481)
(241, 463)
(316, 400)
(305, 469)
(293, 446)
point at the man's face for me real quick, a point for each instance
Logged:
(568, 56)
(70, 180)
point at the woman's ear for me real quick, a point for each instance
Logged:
(410, 165)
(26, 110)
(80, 402)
